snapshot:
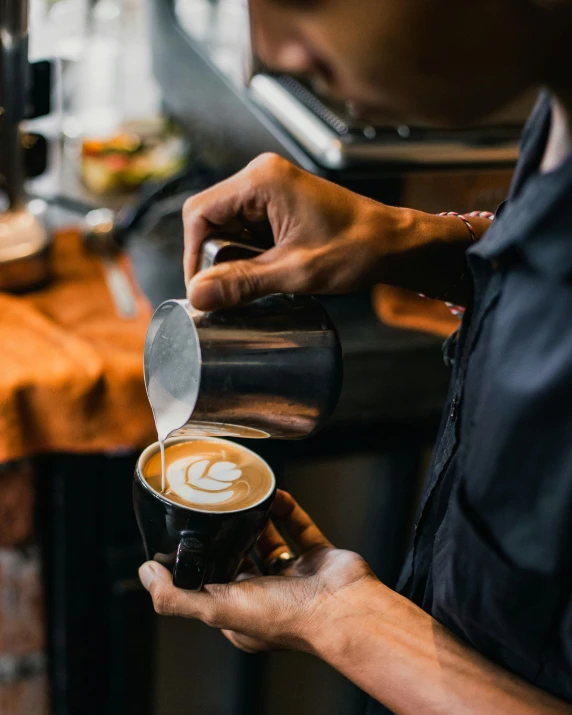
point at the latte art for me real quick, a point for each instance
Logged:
(210, 475)
(203, 481)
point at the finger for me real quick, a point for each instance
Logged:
(169, 600)
(297, 524)
(205, 214)
(195, 231)
(277, 270)
(232, 606)
(239, 201)
(271, 544)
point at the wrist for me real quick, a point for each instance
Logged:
(341, 618)
(424, 252)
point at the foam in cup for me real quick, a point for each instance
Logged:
(210, 475)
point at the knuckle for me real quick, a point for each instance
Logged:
(243, 283)
(210, 620)
(189, 207)
(249, 281)
(161, 602)
(267, 158)
(308, 270)
(273, 165)
(214, 615)
(305, 270)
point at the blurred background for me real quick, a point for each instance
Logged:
(112, 113)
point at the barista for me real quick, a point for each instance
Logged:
(481, 621)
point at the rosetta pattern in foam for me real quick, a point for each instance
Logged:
(202, 482)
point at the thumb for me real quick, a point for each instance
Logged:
(236, 282)
(171, 601)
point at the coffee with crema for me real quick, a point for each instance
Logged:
(210, 475)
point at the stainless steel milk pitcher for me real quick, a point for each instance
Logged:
(272, 368)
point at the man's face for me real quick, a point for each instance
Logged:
(442, 62)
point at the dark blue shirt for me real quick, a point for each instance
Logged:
(492, 552)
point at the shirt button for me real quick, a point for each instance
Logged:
(454, 413)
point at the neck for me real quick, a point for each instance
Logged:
(554, 24)
(559, 144)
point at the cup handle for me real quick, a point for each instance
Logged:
(191, 561)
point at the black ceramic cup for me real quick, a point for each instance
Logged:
(197, 546)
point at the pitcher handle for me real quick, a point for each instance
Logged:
(219, 250)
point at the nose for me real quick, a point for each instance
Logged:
(291, 57)
(277, 43)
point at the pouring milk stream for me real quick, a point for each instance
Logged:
(272, 368)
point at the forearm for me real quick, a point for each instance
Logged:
(405, 659)
(426, 253)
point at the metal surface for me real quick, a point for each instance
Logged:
(272, 368)
(335, 151)
(218, 31)
(232, 123)
(24, 251)
(13, 94)
(228, 129)
(24, 242)
(99, 232)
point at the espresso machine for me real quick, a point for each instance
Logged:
(24, 94)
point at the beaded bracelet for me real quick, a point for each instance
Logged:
(458, 310)
(465, 220)
(481, 214)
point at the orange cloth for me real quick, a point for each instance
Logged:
(71, 369)
(402, 308)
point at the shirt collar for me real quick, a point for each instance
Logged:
(536, 220)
